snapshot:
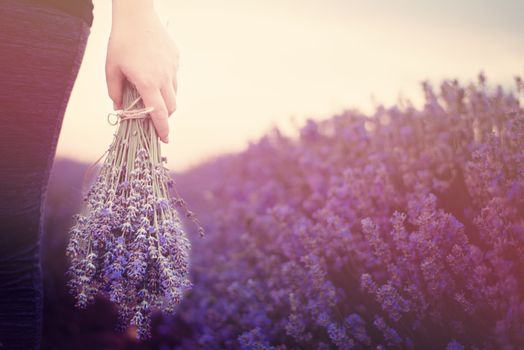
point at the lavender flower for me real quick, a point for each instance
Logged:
(400, 229)
(128, 244)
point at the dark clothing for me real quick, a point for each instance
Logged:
(41, 49)
(80, 8)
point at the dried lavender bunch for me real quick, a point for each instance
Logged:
(128, 242)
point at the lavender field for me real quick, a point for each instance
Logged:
(403, 229)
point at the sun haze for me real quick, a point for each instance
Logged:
(249, 65)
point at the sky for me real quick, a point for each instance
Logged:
(247, 66)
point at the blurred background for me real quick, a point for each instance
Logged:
(249, 65)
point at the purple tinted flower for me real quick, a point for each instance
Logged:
(113, 245)
(366, 231)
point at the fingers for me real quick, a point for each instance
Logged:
(115, 85)
(153, 98)
(169, 94)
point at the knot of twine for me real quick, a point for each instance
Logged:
(128, 113)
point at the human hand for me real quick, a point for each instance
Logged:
(141, 51)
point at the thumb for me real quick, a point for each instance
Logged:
(115, 86)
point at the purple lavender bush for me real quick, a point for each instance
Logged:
(399, 230)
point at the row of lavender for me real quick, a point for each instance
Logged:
(404, 229)
(400, 230)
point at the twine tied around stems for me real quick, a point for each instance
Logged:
(120, 114)
(128, 113)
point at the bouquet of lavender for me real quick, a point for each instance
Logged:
(128, 242)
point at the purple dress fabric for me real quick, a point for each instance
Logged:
(41, 50)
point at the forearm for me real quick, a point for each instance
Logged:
(130, 9)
